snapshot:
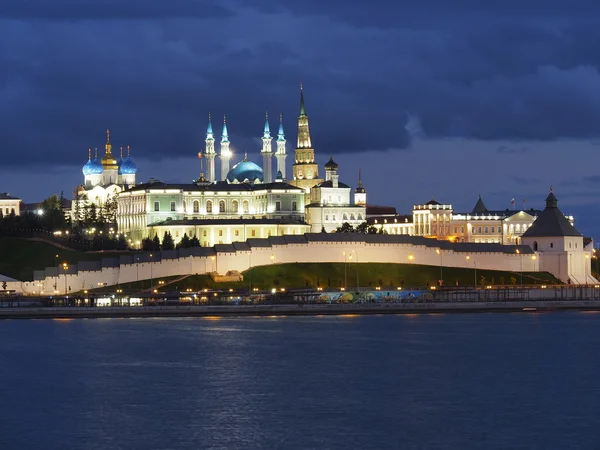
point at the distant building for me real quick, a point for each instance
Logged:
(480, 226)
(9, 204)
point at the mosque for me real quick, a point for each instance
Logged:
(104, 178)
(245, 200)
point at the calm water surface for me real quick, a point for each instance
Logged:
(479, 381)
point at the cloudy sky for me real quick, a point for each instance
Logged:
(436, 98)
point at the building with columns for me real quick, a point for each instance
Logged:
(9, 205)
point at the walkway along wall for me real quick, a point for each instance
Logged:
(308, 248)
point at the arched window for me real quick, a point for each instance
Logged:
(208, 206)
(352, 217)
(359, 216)
(535, 246)
(245, 206)
(235, 206)
(222, 206)
(345, 217)
(196, 206)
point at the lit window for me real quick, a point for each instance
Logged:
(220, 232)
(253, 233)
(208, 206)
(277, 206)
(196, 206)
(172, 206)
(156, 206)
(222, 206)
(237, 232)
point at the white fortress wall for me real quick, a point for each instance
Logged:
(302, 249)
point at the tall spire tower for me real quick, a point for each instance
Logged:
(267, 152)
(225, 152)
(281, 154)
(305, 170)
(210, 152)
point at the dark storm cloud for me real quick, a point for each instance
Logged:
(111, 9)
(377, 75)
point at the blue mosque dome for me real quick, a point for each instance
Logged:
(127, 167)
(245, 170)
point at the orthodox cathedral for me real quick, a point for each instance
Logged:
(104, 178)
(245, 200)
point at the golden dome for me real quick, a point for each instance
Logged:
(108, 161)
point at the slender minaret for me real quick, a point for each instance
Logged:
(267, 152)
(360, 195)
(210, 152)
(281, 155)
(225, 152)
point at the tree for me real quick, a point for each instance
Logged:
(147, 245)
(167, 242)
(194, 242)
(156, 243)
(185, 242)
(109, 210)
(345, 228)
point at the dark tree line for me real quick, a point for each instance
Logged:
(155, 244)
(363, 228)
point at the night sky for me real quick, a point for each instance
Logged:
(435, 98)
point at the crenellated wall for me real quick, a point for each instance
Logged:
(318, 247)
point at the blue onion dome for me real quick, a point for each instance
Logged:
(127, 167)
(245, 171)
(92, 167)
(88, 168)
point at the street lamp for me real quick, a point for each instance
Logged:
(439, 252)
(467, 258)
(151, 271)
(587, 256)
(519, 253)
(273, 262)
(410, 258)
(212, 263)
(65, 268)
(345, 270)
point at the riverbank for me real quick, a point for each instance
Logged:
(294, 310)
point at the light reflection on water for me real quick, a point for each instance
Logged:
(492, 381)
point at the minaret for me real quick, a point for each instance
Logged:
(210, 152)
(225, 152)
(304, 167)
(267, 152)
(281, 154)
(360, 195)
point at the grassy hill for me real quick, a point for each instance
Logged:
(20, 257)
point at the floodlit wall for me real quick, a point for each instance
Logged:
(261, 252)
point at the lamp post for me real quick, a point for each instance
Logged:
(345, 270)
(272, 265)
(587, 257)
(57, 274)
(521, 255)
(137, 268)
(65, 268)
(212, 263)
(249, 272)
(439, 252)
(467, 258)
(151, 274)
